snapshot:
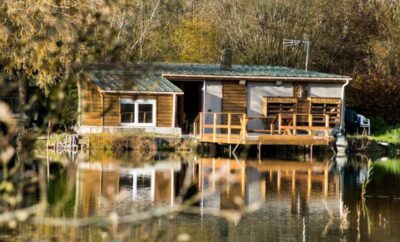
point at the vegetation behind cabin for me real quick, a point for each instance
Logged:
(44, 43)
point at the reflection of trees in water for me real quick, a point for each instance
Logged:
(224, 188)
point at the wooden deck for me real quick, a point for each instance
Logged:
(283, 129)
(267, 139)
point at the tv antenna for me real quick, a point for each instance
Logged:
(297, 42)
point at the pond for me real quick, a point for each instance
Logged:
(183, 197)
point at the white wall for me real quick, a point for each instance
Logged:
(256, 91)
(325, 90)
(212, 101)
(213, 96)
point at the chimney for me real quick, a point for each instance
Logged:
(226, 59)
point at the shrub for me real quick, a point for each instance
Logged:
(120, 142)
(378, 124)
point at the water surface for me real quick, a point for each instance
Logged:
(103, 198)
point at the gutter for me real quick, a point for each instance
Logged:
(140, 92)
(255, 78)
(342, 125)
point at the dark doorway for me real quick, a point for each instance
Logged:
(188, 105)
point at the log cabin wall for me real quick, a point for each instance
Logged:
(93, 100)
(91, 106)
(164, 110)
(234, 97)
(112, 108)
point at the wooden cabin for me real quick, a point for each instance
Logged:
(218, 103)
(120, 100)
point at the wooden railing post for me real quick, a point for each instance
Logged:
(310, 122)
(229, 127)
(214, 127)
(201, 125)
(243, 131)
(294, 123)
(326, 124)
(279, 122)
(194, 128)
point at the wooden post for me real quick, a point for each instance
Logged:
(326, 124)
(173, 109)
(244, 125)
(310, 122)
(294, 123)
(201, 125)
(279, 122)
(214, 127)
(229, 127)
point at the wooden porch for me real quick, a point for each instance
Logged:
(285, 121)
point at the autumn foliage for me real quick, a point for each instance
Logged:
(43, 42)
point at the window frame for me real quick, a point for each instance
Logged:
(136, 102)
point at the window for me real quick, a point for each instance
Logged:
(141, 112)
(127, 112)
(145, 113)
(300, 90)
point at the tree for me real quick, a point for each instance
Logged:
(48, 42)
(195, 41)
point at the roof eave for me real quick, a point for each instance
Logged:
(255, 78)
(138, 92)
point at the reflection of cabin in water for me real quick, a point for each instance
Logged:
(148, 184)
(219, 182)
(227, 104)
(222, 180)
(253, 181)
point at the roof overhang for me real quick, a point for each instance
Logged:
(187, 77)
(139, 92)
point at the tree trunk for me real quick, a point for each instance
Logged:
(22, 90)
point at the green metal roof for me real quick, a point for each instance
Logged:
(238, 70)
(126, 81)
(149, 77)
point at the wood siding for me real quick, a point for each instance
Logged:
(234, 97)
(92, 103)
(164, 110)
(112, 115)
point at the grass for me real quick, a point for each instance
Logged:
(389, 135)
(117, 142)
(121, 142)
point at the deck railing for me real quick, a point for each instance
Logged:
(220, 125)
(215, 126)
